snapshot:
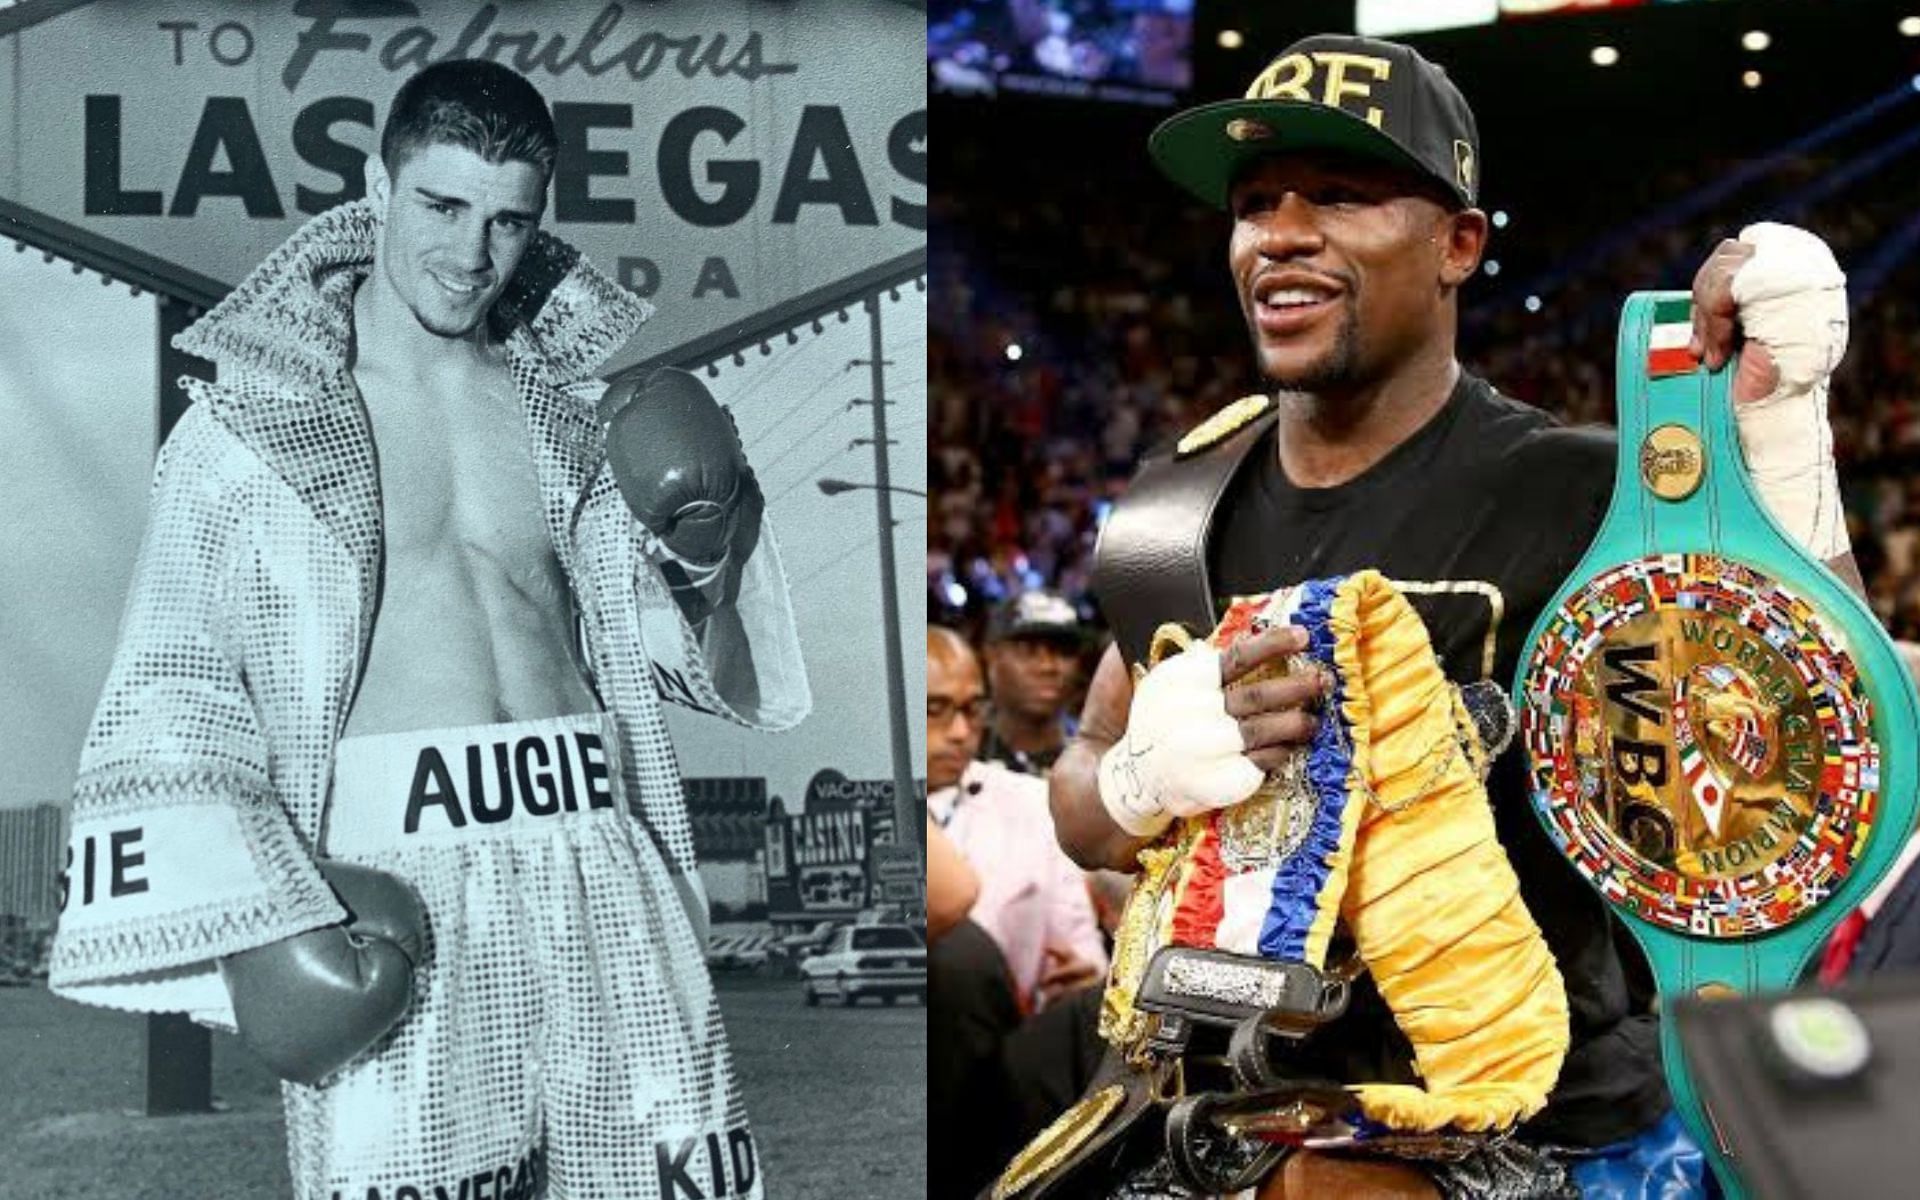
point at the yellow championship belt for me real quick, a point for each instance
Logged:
(1381, 826)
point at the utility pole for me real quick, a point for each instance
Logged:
(909, 824)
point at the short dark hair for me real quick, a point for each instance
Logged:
(479, 106)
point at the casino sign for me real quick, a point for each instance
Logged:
(823, 862)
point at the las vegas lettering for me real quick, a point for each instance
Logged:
(700, 1167)
(540, 776)
(521, 1180)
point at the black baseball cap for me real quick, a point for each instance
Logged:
(1041, 615)
(1375, 99)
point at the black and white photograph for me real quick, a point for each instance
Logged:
(464, 462)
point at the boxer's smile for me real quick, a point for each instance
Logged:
(1337, 265)
(456, 226)
(462, 289)
(1288, 302)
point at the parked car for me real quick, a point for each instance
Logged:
(731, 947)
(786, 954)
(887, 961)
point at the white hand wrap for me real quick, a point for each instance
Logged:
(1792, 298)
(1182, 754)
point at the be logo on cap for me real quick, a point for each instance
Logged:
(1293, 77)
(1358, 96)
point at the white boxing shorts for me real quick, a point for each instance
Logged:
(564, 1039)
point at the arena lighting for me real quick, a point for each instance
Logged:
(1837, 179)
(1230, 39)
(1834, 181)
(1014, 352)
(1704, 197)
(1533, 304)
(1500, 218)
(1750, 78)
(1604, 56)
(1910, 26)
(1491, 266)
(1864, 278)
(1756, 40)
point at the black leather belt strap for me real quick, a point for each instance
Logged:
(1150, 566)
(1208, 1161)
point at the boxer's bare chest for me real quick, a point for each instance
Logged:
(456, 470)
(474, 624)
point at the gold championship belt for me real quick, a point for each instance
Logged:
(1373, 849)
(1720, 734)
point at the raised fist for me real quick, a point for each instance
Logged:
(677, 459)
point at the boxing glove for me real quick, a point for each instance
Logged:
(312, 1003)
(677, 458)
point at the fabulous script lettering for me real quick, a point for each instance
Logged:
(527, 51)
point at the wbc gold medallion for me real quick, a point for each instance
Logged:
(1703, 743)
(1672, 462)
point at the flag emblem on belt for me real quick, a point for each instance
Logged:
(1667, 344)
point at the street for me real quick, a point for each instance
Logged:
(837, 1098)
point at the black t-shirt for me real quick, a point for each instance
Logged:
(1479, 517)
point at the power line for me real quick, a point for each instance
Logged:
(872, 540)
(795, 407)
(807, 474)
(800, 441)
(766, 369)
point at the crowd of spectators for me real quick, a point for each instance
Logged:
(1079, 324)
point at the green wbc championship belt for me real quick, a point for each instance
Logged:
(1721, 737)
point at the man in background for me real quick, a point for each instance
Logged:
(1033, 649)
(1030, 943)
(1033, 900)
